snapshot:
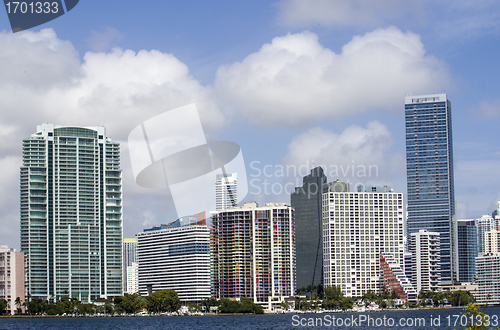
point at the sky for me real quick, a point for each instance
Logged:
(295, 83)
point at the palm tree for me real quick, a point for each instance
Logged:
(18, 305)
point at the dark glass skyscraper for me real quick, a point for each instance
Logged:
(429, 166)
(306, 201)
(467, 250)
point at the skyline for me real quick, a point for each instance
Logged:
(318, 85)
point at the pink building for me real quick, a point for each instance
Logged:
(12, 278)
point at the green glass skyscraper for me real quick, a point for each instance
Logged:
(71, 213)
(429, 166)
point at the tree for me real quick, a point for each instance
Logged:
(333, 296)
(460, 298)
(163, 301)
(3, 305)
(475, 314)
(18, 305)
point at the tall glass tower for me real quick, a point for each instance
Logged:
(429, 168)
(307, 203)
(71, 213)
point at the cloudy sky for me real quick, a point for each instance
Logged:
(295, 83)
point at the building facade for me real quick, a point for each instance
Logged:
(176, 256)
(253, 253)
(12, 278)
(394, 278)
(483, 225)
(226, 191)
(357, 228)
(130, 265)
(425, 252)
(306, 202)
(488, 279)
(429, 167)
(467, 250)
(71, 213)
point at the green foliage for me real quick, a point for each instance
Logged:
(163, 301)
(244, 306)
(460, 298)
(333, 297)
(194, 307)
(129, 303)
(474, 311)
(3, 305)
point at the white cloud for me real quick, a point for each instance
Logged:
(358, 154)
(102, 41)
(294, 80)
(343, 13)
(43, 80)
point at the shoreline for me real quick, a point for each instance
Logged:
(241, 314)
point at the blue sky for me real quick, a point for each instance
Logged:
(292, 82)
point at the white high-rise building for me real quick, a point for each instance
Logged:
(357, 228)
(483, 225)
(71, 213)
(133, 278)
(176, 256)
(226, 191)
(488, 277)
(425, 252)
(129, 259)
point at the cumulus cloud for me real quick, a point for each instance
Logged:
(43, 80)
(101, 41)
(295, 80)
(342, 13)
(358, 154)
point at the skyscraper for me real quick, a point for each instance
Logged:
(226, 191)
(306, 201)
(358, 227)
(483, 225)
(429, 166)
(71, 213)
(425, 258)
(467, 250)
(253, 253)
(130, 265)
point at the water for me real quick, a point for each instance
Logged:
(446, 317)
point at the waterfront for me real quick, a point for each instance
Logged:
(421, 319)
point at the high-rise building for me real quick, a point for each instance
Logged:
(483, 225)
(253, 253)
(425, 254)
(467, 250)
(357, 228)
(496, 212)
(71, 213)
(176, 256)
(226, 191)
(492, 242)
(12, 279)
(130, 283)
(429, 166)
(306, 201)
(488, 277)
